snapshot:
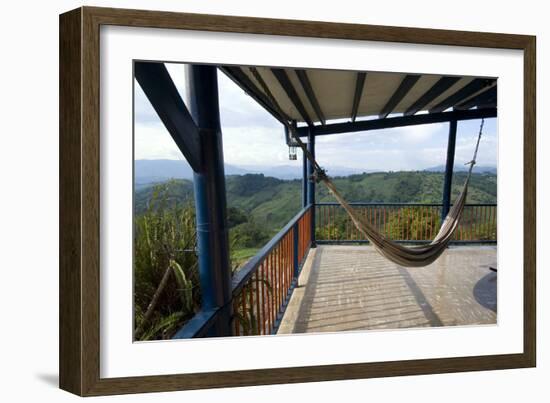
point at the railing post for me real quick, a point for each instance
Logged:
(210, 198)
(295, 241)
(311, 184)
(451, 145)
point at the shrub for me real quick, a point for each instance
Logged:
(410, 223)
(164, 245)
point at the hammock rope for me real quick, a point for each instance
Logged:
(411, 256)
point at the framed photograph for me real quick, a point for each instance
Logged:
(250, 201)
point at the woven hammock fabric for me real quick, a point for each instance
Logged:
(411, 256)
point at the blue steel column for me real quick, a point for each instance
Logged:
(304, 179)
(451, 146)
(311, 184)
(304, 169)
(210, 199)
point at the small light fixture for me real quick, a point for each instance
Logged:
(292, 152)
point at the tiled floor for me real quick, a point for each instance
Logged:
(355, 288)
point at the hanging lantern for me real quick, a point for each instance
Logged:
(292, 144)
(292, 152)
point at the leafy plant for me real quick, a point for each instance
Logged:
(411, 223)
(245, 311)
(164, 249)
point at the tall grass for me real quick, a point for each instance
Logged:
(166, 278)
(165, 261)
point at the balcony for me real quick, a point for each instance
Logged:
(256, 299)
(343, 284)
(343, 288)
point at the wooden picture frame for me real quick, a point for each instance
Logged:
(79, 200)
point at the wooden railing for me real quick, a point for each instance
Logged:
(412, 222)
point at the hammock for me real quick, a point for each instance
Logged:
(411, 256)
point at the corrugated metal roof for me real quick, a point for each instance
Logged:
(334, 92)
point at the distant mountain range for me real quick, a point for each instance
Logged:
(154, 171)
(463, 168)
(272, 202)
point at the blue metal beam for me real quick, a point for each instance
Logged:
(210, 199)
(311, 185)
(400, 121)
(442, 85)
(286, 84)
(408, 82)
(488, 97)
(159, 88)
(198, 325)
(451, 146)
(304, 179)
(237, 75)
(308, 89)
(465, 92)
(359, 85)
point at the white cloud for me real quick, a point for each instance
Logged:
(152, 141)
(255, 146)
(416, 134)
(251, 136)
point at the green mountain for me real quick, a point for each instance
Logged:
(258, 207)
(270, 203)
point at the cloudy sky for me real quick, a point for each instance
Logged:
(252, 137)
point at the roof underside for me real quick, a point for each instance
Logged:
(314, 96)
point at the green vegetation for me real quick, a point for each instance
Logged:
(408, 224)
(166, 284)
(263, 205)
(242, 255)
(166, 291)
(410, 187)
